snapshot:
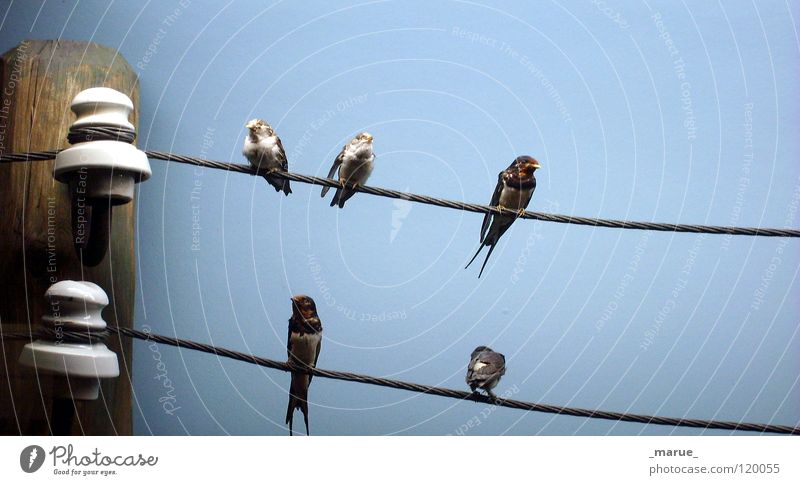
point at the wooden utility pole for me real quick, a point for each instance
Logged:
(39, 79)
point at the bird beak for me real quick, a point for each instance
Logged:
(250, 125)
(536, 165)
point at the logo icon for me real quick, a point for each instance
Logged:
(31, 458)
(400, 211)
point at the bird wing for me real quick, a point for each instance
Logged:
(319, 348)
(530, 194)
(471, 369)
(336, 163)
(316, 358)
(485, 368)
(495, 363)
(282, 155)
(487, 219)
(289, 342)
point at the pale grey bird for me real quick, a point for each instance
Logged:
(485, 369)
(264, 150)
(355, 164)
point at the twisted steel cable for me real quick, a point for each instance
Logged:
(439, 202)
(435, 391)
(29, 156)
(100, 132)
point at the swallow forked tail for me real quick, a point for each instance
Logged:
(298, 399)
(341, 196)
(491, 248)
(279, 184)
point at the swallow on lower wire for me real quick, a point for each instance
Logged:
(485, 369)
(355, 164)
(303, 346)
(263, 149)
(515, 186)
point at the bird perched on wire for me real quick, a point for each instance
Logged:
(355, 163)
(485, 369)
(264, 150)
(303, 346)
(515, 186)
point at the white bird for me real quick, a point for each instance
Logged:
(355, 164)
(264, 150)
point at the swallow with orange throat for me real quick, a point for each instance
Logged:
(515, 186)
(303, 346)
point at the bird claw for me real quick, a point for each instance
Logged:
(520, 212)
(500, 209)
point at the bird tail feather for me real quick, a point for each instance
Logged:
(475, 256)
(491, 248)
(345, 195)
(336, 196)
(298, 399)
(279, 184)
(341, 196)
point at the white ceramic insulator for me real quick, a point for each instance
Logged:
(103, 169)
(77, 306)
(102, 106)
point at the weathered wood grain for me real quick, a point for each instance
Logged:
(38, 80)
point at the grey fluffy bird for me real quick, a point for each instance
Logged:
(485, 369)
(515, 187)
(355, 164)
(264, 150)
(302, 346)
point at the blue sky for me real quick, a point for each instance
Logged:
(663, 111)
